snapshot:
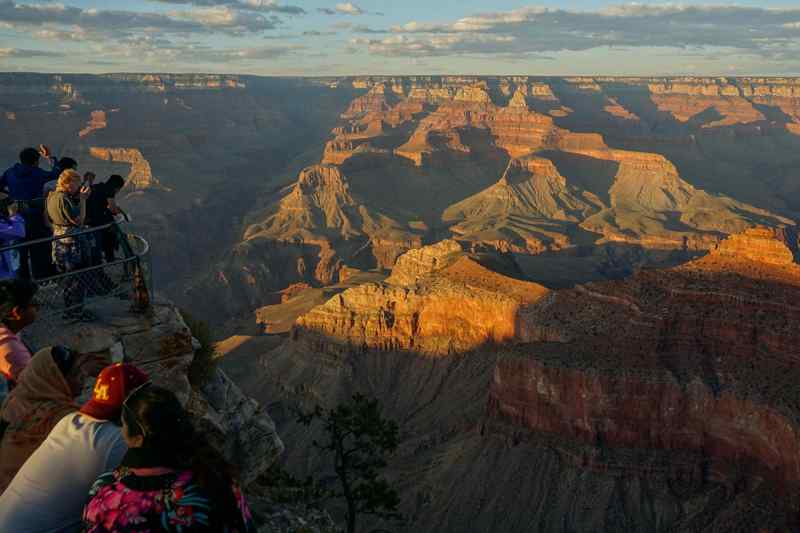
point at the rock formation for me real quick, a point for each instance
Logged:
(454, 304)
(140, 176)
(98, 121)
(161, 344)
(416, 264)
(672, 389)
(522, 211)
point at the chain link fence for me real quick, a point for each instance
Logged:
(70, 296)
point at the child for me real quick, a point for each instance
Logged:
(12, 228)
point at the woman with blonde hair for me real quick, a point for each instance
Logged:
(66, 208)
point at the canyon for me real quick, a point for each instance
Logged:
(599, 176)
(660, 402)
(577, 295)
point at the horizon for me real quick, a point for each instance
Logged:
(332, 39)
(358, 76)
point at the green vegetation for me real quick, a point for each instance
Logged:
(204, 363)
(360, 440)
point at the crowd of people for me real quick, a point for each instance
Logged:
(61, 204)
(126, 460)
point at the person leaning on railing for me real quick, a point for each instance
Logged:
(24, 183)
(66, 208)
(101, 208)
(12, 228)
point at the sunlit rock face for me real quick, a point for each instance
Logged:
(677, 380)
(581, 178)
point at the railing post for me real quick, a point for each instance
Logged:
(141, 294)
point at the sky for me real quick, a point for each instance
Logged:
(401, 37)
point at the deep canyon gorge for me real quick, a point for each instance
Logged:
(578, 296)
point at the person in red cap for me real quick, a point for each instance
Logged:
(49, 491)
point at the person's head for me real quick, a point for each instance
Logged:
(76, 366)
(69, 182)
(65, 359)
(17, 303)
(113, 385)
(29, 157)
(116, 182)
(67, 163)
(153, 419)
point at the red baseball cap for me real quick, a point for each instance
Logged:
(113, 385)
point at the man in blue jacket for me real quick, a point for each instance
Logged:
(25, 180)
(24, 183)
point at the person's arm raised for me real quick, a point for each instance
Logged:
(84, 195)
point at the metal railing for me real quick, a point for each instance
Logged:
(64, 296)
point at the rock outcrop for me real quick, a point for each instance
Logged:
(98, 121)
(437, 302)
(522, 211)
(416, 264)
(320, 208)
(160, 343)
(140, 176)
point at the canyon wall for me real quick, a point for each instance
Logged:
(672, 388)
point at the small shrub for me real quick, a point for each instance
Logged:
(204, 363)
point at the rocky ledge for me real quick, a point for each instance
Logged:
(160, 342)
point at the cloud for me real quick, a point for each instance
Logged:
(346, 8)
(19, 53)
(349, 8)
(226, 19)
(264, 6)
(218, 19)
(316, 33)
(761, 31)
(211, 55)
(367, 30)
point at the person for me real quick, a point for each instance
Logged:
(18, 310)
(45, 393)
(25, 183)
(66, 208)
(12, 228)
(101, 208)
(169, 480)
(25, 180)
(50, 490)
(65, 163)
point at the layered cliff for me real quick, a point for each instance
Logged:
(559, 186)
(437, 301)
(320, 207)
(692, 361)
(140, 176)
(531, 209)
(671, 389)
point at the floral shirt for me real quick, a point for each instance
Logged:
(122, 502)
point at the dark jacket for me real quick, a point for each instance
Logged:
(24, 183)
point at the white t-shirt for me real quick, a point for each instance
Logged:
(49, 491)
